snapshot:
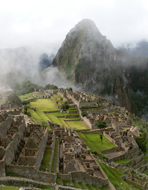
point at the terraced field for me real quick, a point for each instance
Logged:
(80, 185)
(47, 105)
(94, 143)
(114, 176)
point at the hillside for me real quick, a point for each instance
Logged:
(90, 60)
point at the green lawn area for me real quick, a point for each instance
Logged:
(8, 188)
(123, 161)
(94, 143)
(76, 125)
(44, 105)
(55, 158)
(53, 117)
(114, 176)
(46, 160)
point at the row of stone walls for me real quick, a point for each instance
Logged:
(86, 103)
(84, 178)
(22, 182)
(142, 168)
(132, 162)
(134, 152)
(41, 150)
(32, 173)
(134, 183)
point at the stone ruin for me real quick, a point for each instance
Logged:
(20, 145)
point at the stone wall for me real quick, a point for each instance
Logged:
(4, 126)
(2, 162)
(11, 148)
(87, 122)
(110, 139)
(41, 150)
(32, 173)
(114, 149)
(22, 129)
(52, 153)
(121, 157)
(22, 182)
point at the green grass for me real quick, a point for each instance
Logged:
(82, 185)
(123, 161)
(12, 175)
(76, 125)
(46, 187)
(53, 117)
(35, 116)
(46, 160)
(76, 185)
(94, 143)
(72, 108)
(59, 181)
(8, 188)
(58, 96)
(67, 182)
(43, 105)
(90, 187)
(114, 176)
(55, 158)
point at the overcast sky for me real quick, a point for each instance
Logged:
(34, 22)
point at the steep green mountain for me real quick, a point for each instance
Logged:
(90, 60)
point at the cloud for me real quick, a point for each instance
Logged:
(22, 27)
(29, 22)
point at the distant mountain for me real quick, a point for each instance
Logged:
(45, 61)
(88, 59)
(137, 49)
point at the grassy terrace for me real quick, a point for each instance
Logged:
(114, 176)
(28, 96)
(124, 161)
(39, 116)
(94, 143)
(8, 188)
(46, 160)
(41, 105)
